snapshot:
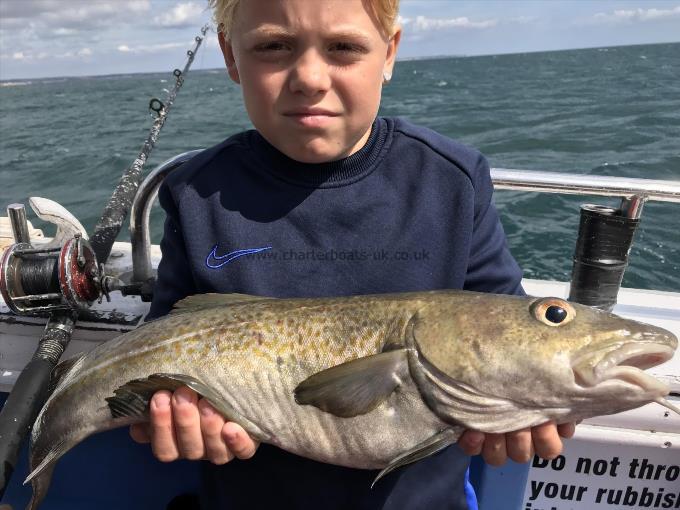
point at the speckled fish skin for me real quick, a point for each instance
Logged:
(472, 361)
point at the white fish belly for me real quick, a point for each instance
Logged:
(368, 441)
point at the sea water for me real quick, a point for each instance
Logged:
(605, 111)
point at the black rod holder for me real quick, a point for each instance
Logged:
(30, 392)
(604, 240)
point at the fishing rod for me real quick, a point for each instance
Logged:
(117, 209)
(61, 278)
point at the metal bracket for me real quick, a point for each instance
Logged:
(67, 225)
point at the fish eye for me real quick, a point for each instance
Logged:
(553, 311)
(555, 314)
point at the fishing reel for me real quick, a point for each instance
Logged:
(62, 274)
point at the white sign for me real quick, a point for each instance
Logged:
(594, 475)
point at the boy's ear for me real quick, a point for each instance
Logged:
(392, 47)
(229, 60)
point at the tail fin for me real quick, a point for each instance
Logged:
(41, 482)
(41, 475)
(52, 434)
(53, 454)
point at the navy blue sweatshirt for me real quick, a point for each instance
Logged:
(410, 211)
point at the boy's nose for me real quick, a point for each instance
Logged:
(310, 74)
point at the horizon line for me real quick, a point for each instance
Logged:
(403, 59)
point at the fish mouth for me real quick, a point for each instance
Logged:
(626, 364)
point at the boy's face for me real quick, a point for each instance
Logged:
(311, 73)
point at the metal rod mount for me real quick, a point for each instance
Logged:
(17, 219)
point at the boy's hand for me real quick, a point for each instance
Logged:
(184, 427)
(543, 440)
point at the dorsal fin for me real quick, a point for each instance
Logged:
(213, 300)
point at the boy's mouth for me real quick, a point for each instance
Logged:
(310, 112)
(311, 117)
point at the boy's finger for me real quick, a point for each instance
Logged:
(163, 442)
(566, 430)
(187, 423)
(139, 432)
(238, 440)
(216, 450)
(494, 450)
(519, 445)
(547, 442)
(471, 442)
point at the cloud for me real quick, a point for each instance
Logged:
(424, 24)
(634, 15)
(27, 8)
(152, 48)
(61, 31)
(69, 14)
(78, 30)
(523, 20)
(180, 16)
(33, 56)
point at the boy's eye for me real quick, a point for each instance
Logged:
(272, 46)
(346, 47)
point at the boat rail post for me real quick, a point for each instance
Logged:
(631, 207)
(143, 275)
(603, 245)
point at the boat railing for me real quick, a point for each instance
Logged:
(632, 191)
(140, 239)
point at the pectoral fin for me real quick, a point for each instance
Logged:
(132, 399)
(430, 446)
(355, 387)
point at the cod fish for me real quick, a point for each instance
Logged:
(371, 382)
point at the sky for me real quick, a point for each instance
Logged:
(48, 38)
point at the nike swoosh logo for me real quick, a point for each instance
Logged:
(215, 261)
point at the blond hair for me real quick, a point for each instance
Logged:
(384, 11)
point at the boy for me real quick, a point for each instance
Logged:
(324, 199)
